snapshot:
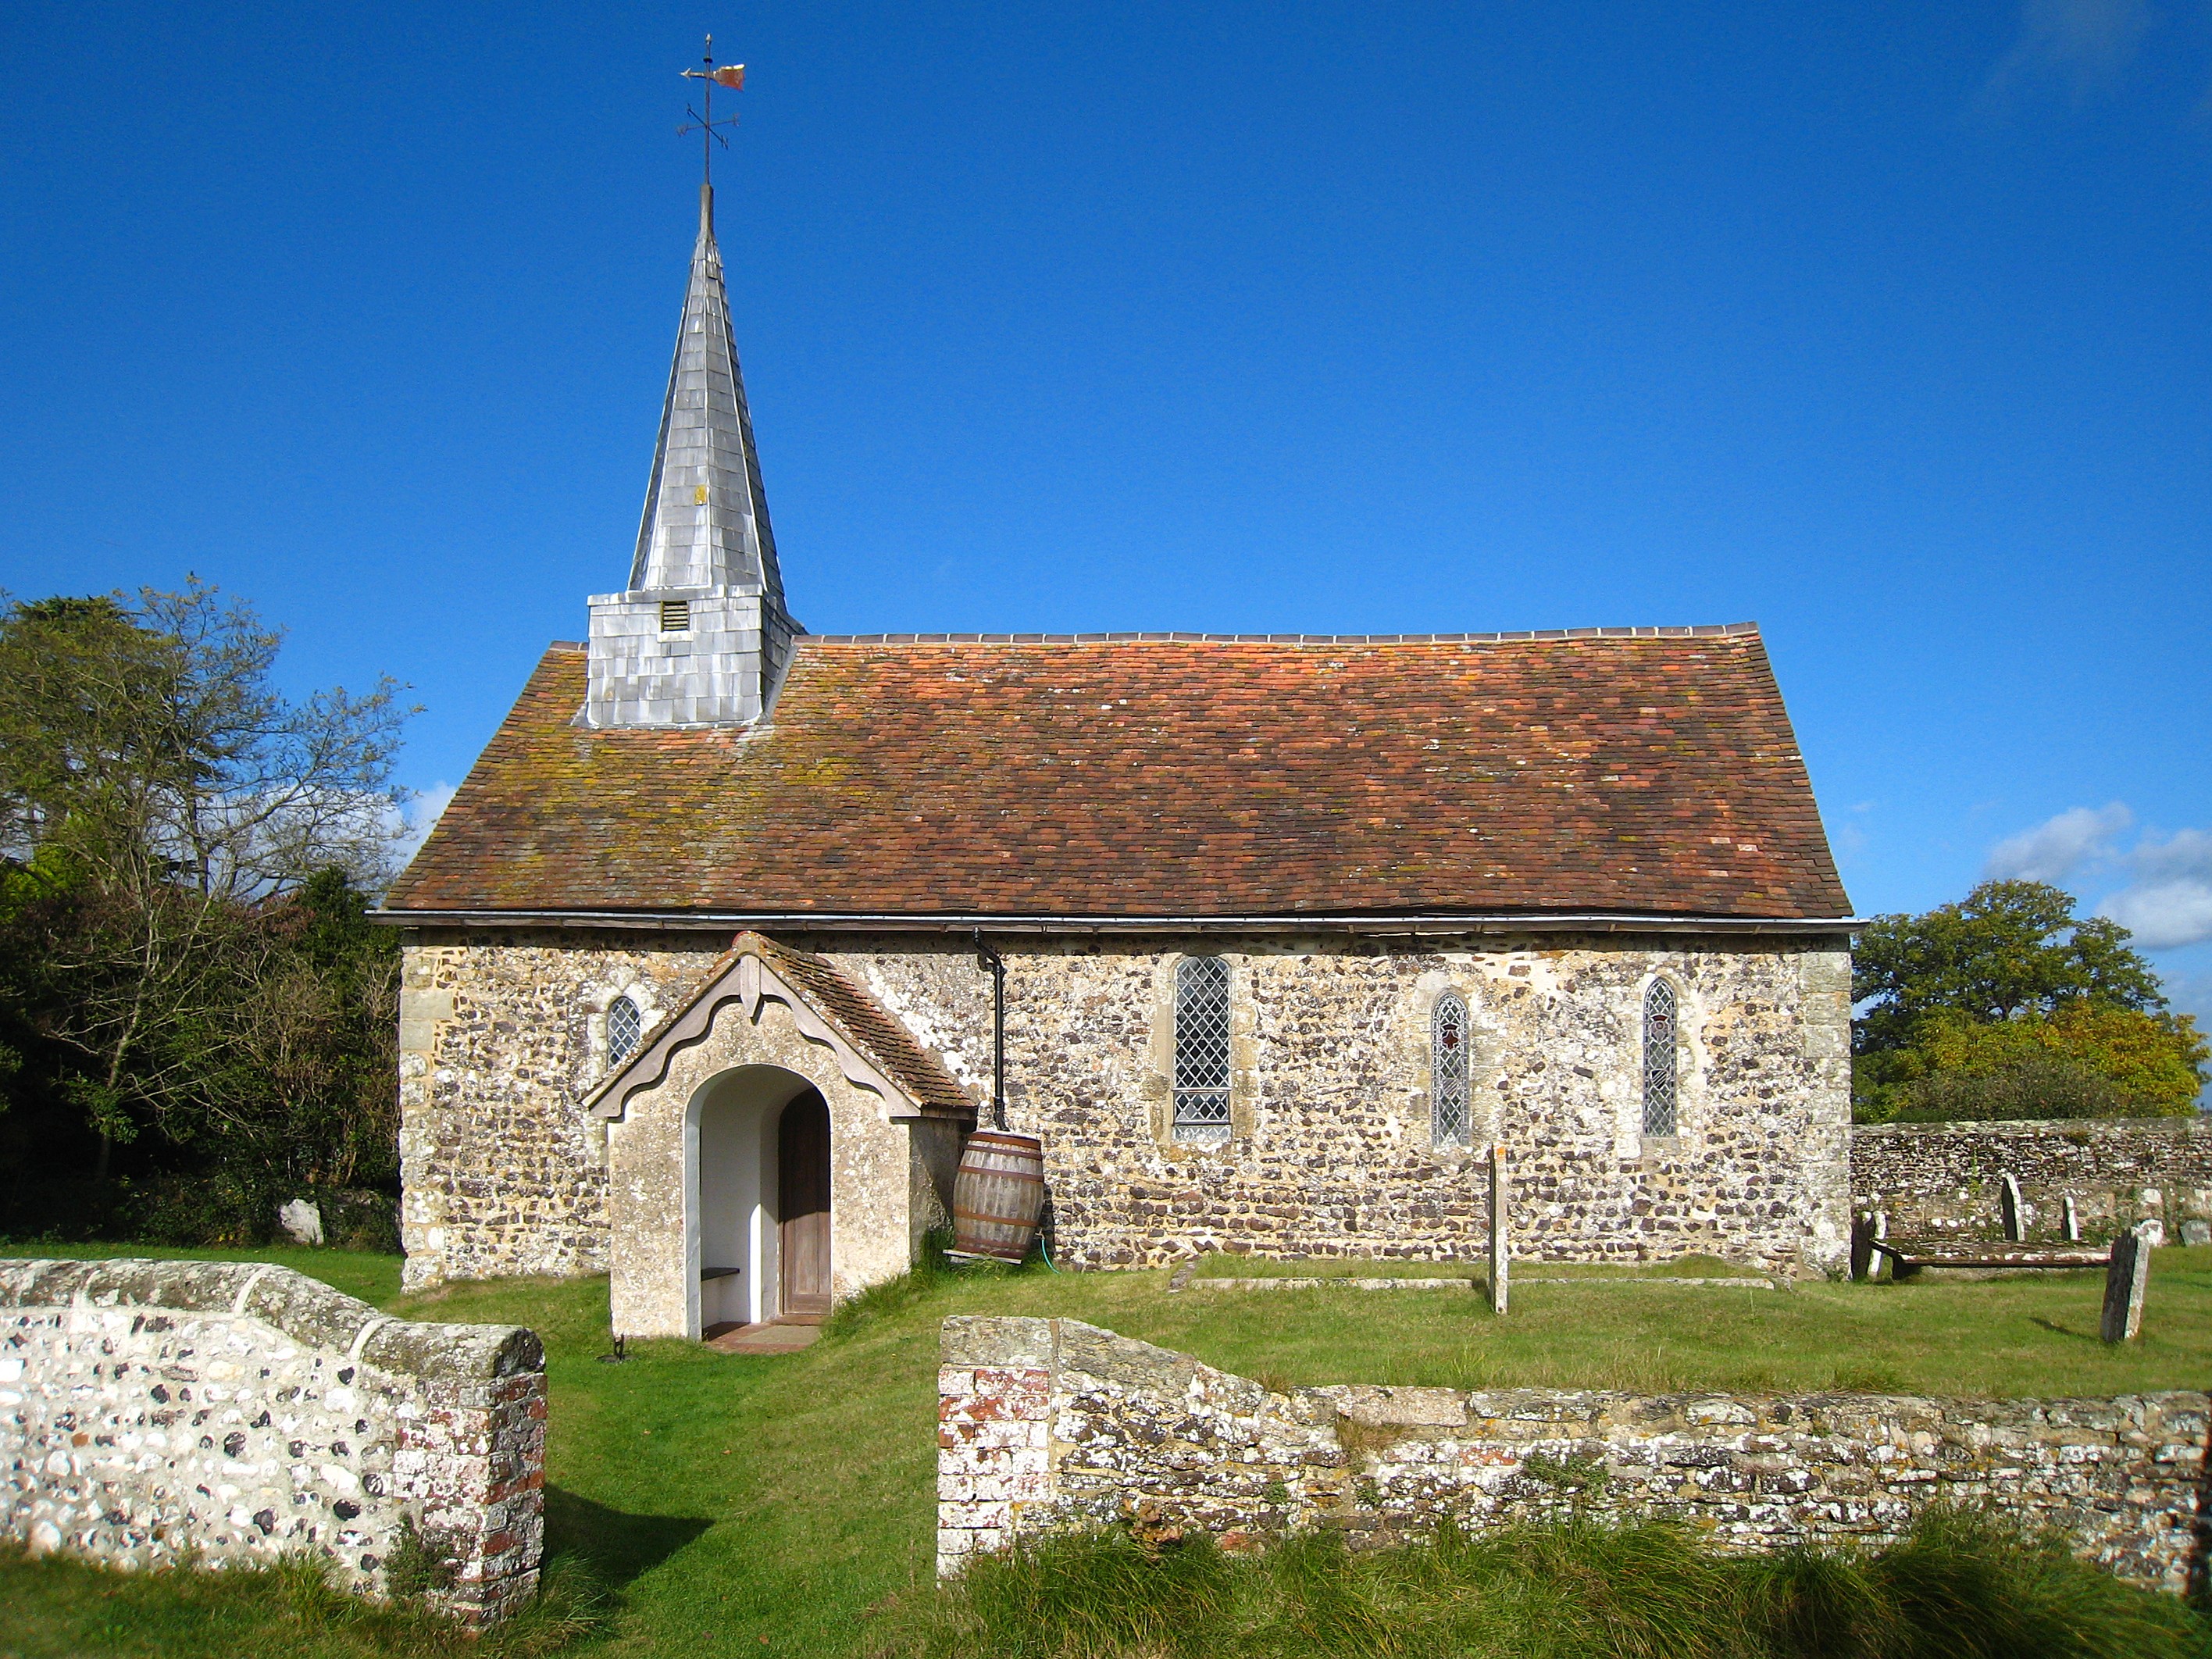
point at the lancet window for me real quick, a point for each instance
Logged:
(1659, 1033)
(625, 1025)
(1201, 1049)
(1450, 1119)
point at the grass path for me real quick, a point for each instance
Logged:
(764, 1504)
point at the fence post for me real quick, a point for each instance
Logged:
(2126, 1277)
(1501, 1248)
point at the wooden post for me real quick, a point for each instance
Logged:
(1500, 1247)
(2125, 1280)
(2015, 1226)
(2073, 1221)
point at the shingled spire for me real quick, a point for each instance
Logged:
(702, 634)
(705, 520)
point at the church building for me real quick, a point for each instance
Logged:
(1293, 928)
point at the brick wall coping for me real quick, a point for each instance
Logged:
(304, 1309)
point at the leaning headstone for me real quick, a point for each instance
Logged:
(2072, 1221)
(2015, 1227)
(2126, 1277)
(301, 1221)
(2196, 1232)
(1862, 1245)
(2152, 1231)
(1500, 1247)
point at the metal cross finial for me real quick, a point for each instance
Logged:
(732, 76)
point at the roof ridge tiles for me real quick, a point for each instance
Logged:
(1696, 630)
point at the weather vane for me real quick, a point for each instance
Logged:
(732, 76)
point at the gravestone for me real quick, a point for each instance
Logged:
(301, 1221)
(2015, 1220)
(2196, 1232)
(2072, 1221)
(2152, 1231)
(2125, 1280)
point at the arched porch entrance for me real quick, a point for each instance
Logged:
(760, 1190)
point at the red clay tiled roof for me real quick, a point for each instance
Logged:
(1166, 776)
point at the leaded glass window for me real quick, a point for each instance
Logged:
(624, 1025)
(1449, 1121)
(1659, 1027)
(1201, 1049)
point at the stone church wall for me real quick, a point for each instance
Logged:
(1046, 1422)
(502, 1171)
(151, 1410)
(1941, 1180)
(1331, 1154)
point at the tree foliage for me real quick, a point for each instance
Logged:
(184, 852)
(2007, 1005)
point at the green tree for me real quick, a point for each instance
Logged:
(156, 793)
(2008, 1004)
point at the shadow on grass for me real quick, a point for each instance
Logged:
(616, 1547)
(2057, 1330)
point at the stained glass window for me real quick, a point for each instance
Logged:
(1450, 1122)
(624, 1025)
(1201, 1049)
(1659, 1059)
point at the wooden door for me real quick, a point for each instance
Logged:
(802, 1142)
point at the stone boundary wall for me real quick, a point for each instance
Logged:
(1045, 1422)
(150, 1409)
(1941, 1180)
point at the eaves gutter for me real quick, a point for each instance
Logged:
(1357, 923)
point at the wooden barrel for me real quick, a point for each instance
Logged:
(997, 1195)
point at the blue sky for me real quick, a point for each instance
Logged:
(1887, 326)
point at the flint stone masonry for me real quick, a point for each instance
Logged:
(149, 1410)
(1046, 1423)
(502, 1033)
(1945, 1180)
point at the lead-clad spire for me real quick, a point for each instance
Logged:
(700, 635)
(706, 518)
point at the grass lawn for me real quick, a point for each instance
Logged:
(766, 1505)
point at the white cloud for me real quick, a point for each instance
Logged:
(2085, 43)
(424, 808)
(2170, 903)
(2057, 846)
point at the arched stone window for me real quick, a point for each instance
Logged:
(1659, 1029)
(1450, 1119)
(624, 1026)
(1202, 1050)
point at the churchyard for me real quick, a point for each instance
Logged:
(786, 1504)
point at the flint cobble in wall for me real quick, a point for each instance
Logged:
(150, 1410)
(1043, 1422)
(1942, 1180)
(503, 1034)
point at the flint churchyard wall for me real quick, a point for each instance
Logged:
(1941, 1180)
(149, 1410)
(1044, 1423)
(1331, 1152)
